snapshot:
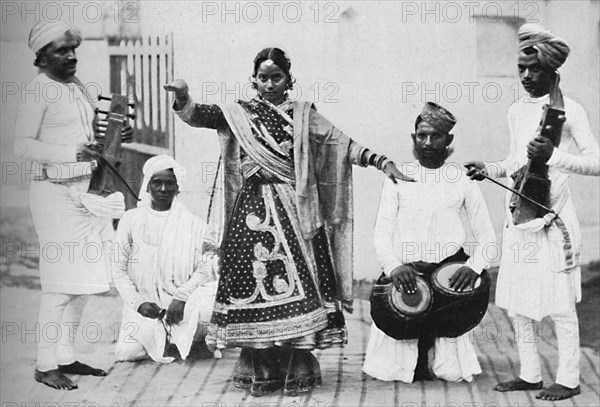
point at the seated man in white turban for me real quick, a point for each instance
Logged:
(546, 282)
(164, 271)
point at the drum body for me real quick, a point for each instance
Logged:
(448, 314)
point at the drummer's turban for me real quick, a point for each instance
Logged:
(438, 117)
(44, 32)
(551, 51)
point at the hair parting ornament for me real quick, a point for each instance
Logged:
(274, 56)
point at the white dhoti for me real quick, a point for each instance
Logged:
(567, 334)
(389, 359)
(74, 230)
(540, 276)
(140, 336)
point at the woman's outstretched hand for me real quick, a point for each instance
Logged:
(180, 88)
(394, 173)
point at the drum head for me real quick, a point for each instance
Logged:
(411, 304)
(441, 279)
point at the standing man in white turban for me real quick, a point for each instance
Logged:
(57, 135)
(539, 271)
(164, 269)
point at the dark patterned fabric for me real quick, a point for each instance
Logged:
(275, 288)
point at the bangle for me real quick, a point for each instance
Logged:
(371, 159)
(385, 162)
(380, 159)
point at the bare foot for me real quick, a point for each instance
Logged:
(558, 392)
(81, 368)
(53, 378)
(518, 384)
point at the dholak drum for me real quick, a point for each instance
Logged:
(397, 313)
(435, 310)
(407, 305)
(457, 312)
(441, 280)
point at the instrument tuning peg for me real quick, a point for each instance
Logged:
(100, 97)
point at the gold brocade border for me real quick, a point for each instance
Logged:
(269, 331)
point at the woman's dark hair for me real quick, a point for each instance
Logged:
(279, 58)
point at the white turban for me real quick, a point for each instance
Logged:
(44, 32)
(552, 51)
(152, 166)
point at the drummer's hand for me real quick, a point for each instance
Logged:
(464, 278)
(394, 173)
(404, 277)
(540, 148)
(180, 88)
(476, 170)
(87, 151)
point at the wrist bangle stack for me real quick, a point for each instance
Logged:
(379, 162)
(385, 162)
(376, 160)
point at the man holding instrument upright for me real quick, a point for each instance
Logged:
(55, 130)
(539, 270)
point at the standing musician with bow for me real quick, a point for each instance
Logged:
(57, 134)
(539, 270)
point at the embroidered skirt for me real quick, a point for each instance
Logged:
(275, 287)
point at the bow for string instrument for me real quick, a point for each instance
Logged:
(106, 178)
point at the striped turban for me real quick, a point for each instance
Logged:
(552, 51)
(44, 32)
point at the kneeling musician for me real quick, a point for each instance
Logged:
(431, 293)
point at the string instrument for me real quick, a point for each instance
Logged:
(106, 178)
(532, 180)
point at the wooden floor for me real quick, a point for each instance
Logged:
(207, 382)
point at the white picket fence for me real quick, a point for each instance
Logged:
(140, 68)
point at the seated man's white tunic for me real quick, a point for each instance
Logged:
(162, 256)
(421, 221)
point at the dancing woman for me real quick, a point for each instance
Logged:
(286, 253)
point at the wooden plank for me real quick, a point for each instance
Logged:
(135, 382)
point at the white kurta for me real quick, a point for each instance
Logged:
(73, 227)
(534, 280)
(161, 258)
(421, 221)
